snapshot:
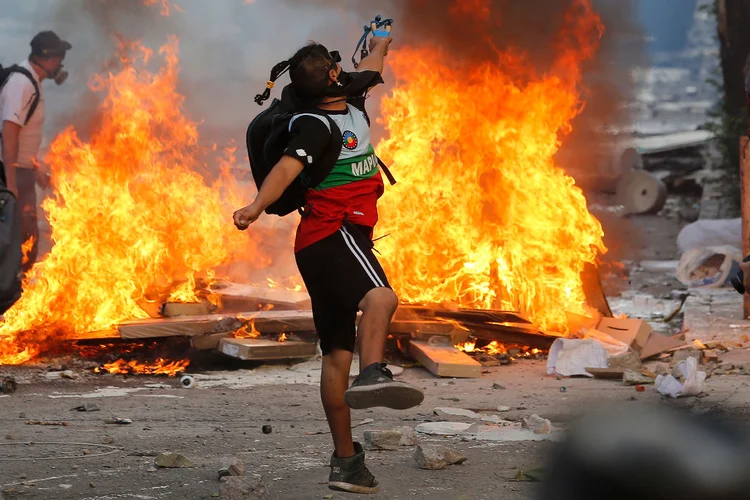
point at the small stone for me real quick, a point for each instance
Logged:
(502, 408)
(631, 377)
(107, 440)
(537, 424)
(92, 484)
(85, 452)
(498, 386)
(455, 412)
(435, 457)
(231, 466)
(240, 488)
(75, 467)
(172, 461)
(267, 429)
(8, 436)
(382, 440)
(408, 436)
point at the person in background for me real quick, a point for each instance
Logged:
(22, 115)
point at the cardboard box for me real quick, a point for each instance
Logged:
(633, 332)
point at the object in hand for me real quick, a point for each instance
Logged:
(738, 281)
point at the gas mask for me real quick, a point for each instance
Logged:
(60, 75)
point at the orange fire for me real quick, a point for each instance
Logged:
(159, 367)
(129, 214)
(481, 214)
(247, 331)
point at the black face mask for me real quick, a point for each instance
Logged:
(354, 84)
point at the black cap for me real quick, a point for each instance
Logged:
(47, 43)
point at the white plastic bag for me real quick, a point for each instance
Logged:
(693, 259)
(710, 232)
(694, 380)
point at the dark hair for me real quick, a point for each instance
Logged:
(308, 69)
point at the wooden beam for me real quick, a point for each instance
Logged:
(513, 334)
(445, 360)
(189, 326)
(262, 349)
(745, 193)
(237, 297)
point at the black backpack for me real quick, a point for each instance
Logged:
(5, 74)
(267, 139)
(10, 250)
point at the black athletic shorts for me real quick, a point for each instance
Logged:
(338, 272)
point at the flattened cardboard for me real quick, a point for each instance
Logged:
(658, 344)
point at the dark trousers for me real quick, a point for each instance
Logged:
(26, 182)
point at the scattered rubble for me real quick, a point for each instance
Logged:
(390, 439)
(628, 361)
(170, 460)
(241, 488)
(86, 407)
(455, 412)
(9, 385)
(632, 377)
(231, 466)
(435, 457)
(537, 424)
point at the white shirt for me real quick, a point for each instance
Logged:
(16, 98)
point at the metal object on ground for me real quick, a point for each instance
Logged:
(641, 193)
(187, 381)
(9, 385)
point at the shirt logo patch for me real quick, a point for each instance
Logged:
(350, 140)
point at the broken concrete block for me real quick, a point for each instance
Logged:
(455, 412)
(241, 488)
(661, 369)
(537, 424)
(382, 440)
(391, 439)
(408, 436)
(231, 466)
(628, 361)
(172, 461)
(631, 377)
(435, 457)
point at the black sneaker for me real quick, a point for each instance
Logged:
(374, 386)
(351, 474)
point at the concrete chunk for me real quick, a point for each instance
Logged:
(433, 457)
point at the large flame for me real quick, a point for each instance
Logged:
(129, 216)
(481, 215)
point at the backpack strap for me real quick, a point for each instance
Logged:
(37, 95)
(387, 172)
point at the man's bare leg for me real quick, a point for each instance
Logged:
(334, 381)
(375, 385)
(377, 308)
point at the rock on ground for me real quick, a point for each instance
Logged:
(241, 488)
(435, 457)
(231, 466)
(629, 360)
(631, 377)
(172, 461)
(390, 440)
(537, 424)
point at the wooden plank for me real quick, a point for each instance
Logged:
(249, 297)
(412, 312)
(190, 326)
(745, 205)
(280, 321)
(186, 326)
(592, 289)
(610, 373)
(445, 360)
(262, 349)
(208, 341)
(176, 309)
(424, 329)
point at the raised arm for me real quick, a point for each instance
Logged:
(378, 51)
(279, 178)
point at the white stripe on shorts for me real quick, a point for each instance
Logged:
(360, 256)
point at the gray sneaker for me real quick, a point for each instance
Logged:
(375, 387)
(351, 474)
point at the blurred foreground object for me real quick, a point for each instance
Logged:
(650, 453)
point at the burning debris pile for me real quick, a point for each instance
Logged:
(482, 217)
